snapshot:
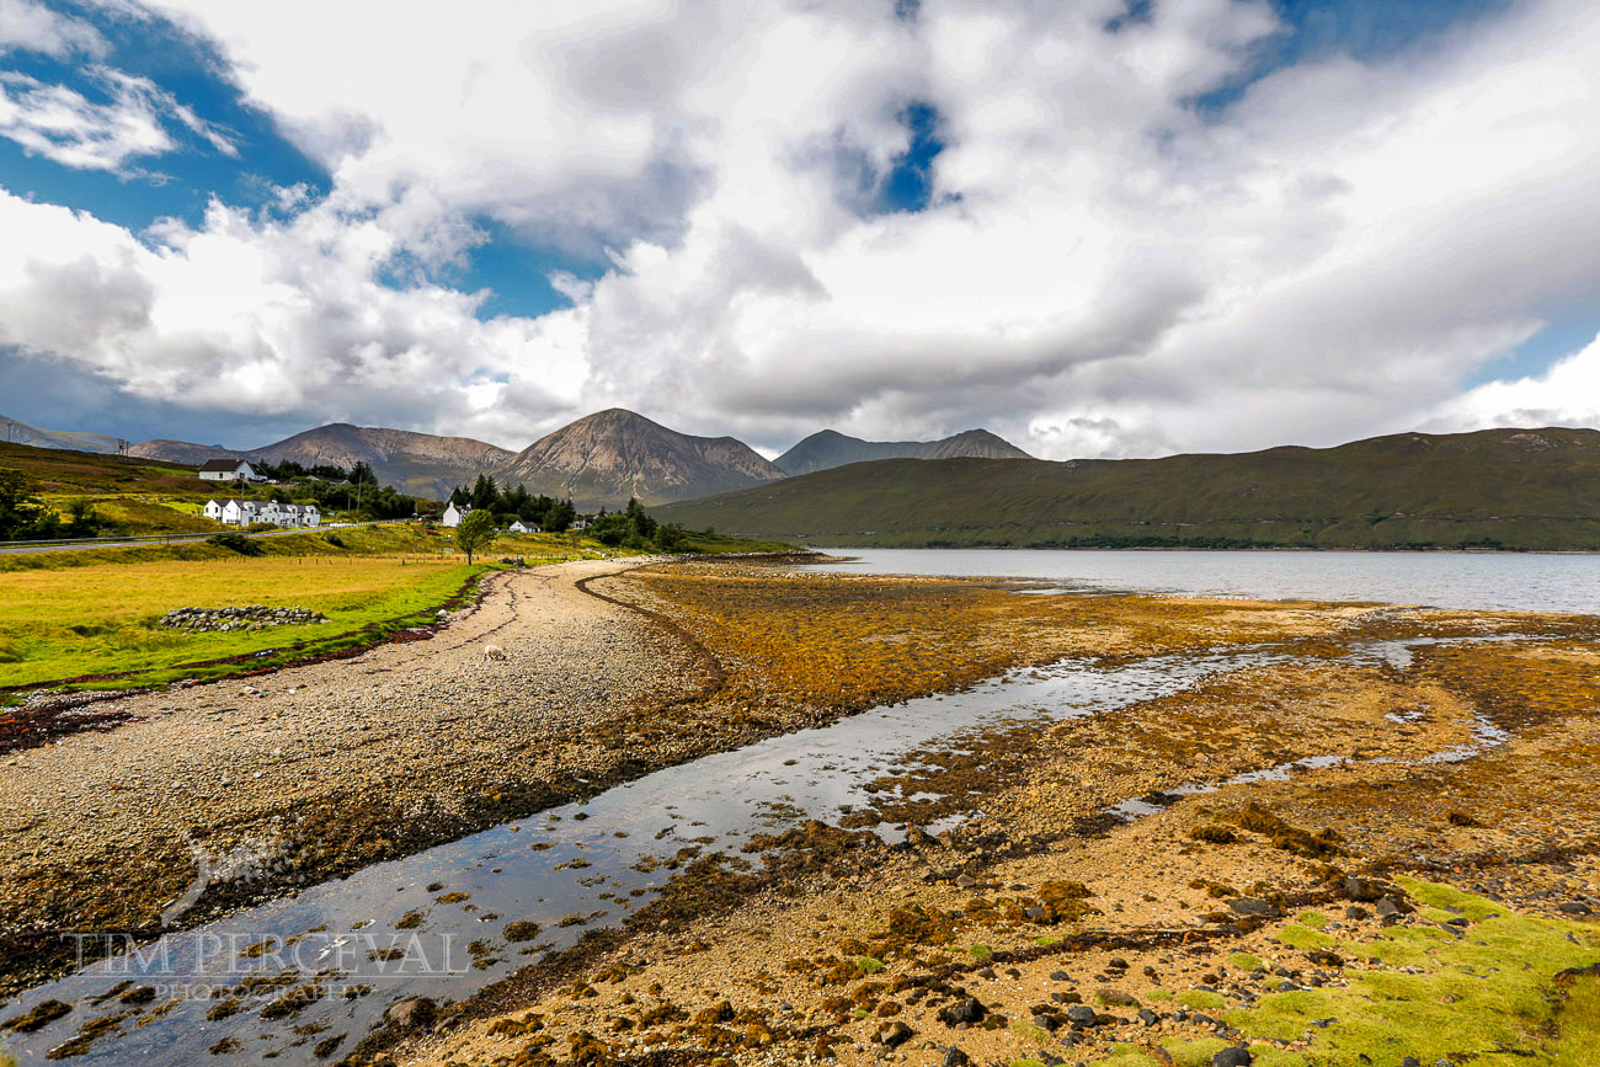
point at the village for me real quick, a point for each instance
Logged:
(240, 512)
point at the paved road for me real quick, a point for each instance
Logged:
(176, 539)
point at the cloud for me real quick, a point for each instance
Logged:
(1102, 269)
(31, 27)
(1568, 394)
(268, 319)
(66, 127)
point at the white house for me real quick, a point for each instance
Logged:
(245, 512)
(230, 470)
(518, 526)
(453, 515)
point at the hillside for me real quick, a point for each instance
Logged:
(605, 458)
(827, 449)
(1522, 489)
(20, 433)
(417, 463)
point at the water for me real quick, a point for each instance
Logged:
(593, 869)
(602, 859)
(1476, 581)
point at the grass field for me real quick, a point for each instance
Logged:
(68, 615)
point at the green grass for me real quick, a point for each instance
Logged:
(94, 612)
(1244, 961)
(1492, 488)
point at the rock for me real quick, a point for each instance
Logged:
(1117, 998)
(1118, 962)
(954, 1057)
(1574, 907)
(1148, 1017)
(986, 973)
(893, 1034)
(1047, 1022)
(413, 1013)
(1249, 906)
(1060, 976)
(1356, 911)
(1232, 1057)
(968, 1010)
(1410, 1061)
(1081, 1015)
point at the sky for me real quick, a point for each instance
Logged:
(1099, 228)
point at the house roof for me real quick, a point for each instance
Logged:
(223, 464)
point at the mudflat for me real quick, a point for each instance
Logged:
(1349, 854)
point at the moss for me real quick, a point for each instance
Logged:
(1314, 919)
(1197, 1053)
(1246, 962)
(1202, 999)
(1127, 1056)
(980, 952)
(1301, 937)
(868, 965)
(1577, 1025)
(1159, 996)
(1471, 996)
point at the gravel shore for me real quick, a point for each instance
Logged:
(260, 784)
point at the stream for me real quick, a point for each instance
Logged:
(304, 978)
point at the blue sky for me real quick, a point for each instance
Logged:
(492, 227)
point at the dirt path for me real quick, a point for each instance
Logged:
(260, 784)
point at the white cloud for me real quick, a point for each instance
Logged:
(63, 125)
(262, 317)
(1103, 271)
(1568, 394)
(31, 27)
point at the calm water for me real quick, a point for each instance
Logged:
(1483, 581)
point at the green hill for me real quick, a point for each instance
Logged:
(1511, 489)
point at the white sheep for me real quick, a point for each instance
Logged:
(493, 652)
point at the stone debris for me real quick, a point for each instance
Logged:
(249, 617)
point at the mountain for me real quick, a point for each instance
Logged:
(603, 459)
(1522, 489)
(829, 448)
(20, 433)
(418, 463)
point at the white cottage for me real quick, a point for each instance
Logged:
(230, 470)
(453, 515)
(518, 526)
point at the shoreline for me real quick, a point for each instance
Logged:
(948, 633)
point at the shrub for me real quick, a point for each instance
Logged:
(235, 542)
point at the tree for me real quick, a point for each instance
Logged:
(485, 493)
(361, 474)
(22, 514)
(475, 533)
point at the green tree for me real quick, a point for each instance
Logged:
(475, 533)
(22, 515)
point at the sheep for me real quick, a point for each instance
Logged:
(493, 652)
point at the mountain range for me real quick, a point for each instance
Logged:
(827, 449)
(1504, 488)
(600, 460)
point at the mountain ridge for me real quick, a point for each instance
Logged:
(1504, 488)
(827, 449)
